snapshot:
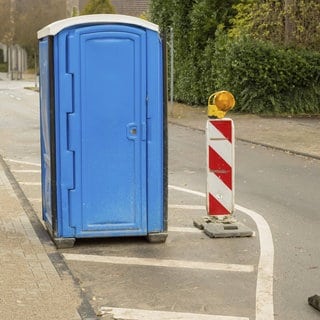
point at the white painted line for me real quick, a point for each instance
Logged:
(160, 262)
(185, 230)
(35, 199)
(26, 171)
(22, 162)
(30, 183)
(186, 207)
(264, 289)
(4, 180)
(197, 193)
(134, 314)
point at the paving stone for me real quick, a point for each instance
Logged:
(31, 288)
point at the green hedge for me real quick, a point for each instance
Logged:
(3, 67)
(265, 78)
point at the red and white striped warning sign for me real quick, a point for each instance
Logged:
(220, 164)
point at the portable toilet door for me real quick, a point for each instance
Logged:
(107, 161)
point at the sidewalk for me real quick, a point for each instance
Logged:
(30, 286)
(296, 135)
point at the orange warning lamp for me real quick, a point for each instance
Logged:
(219, 103)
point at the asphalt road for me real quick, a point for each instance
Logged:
(284, 189)
(192, 275)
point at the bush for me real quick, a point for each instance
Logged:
(266, 78)
(3, 67)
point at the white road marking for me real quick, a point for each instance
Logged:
(35, 199)
(26, 171)
(186, 207)
(184, 229)
(212, 266)
(23, 162)
(4, 180)
(264, 288)
(134, 314)
(196, 193)
(29, 183)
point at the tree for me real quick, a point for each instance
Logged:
(35, 16)
(20, 21)
(194, 23)
(245, 46)
(32, 16)
(162, 13)
(98, 6)
(289, 22)
(6, 25)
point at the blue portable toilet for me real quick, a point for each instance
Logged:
(103, 128)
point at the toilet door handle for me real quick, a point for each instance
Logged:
(132, 131)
